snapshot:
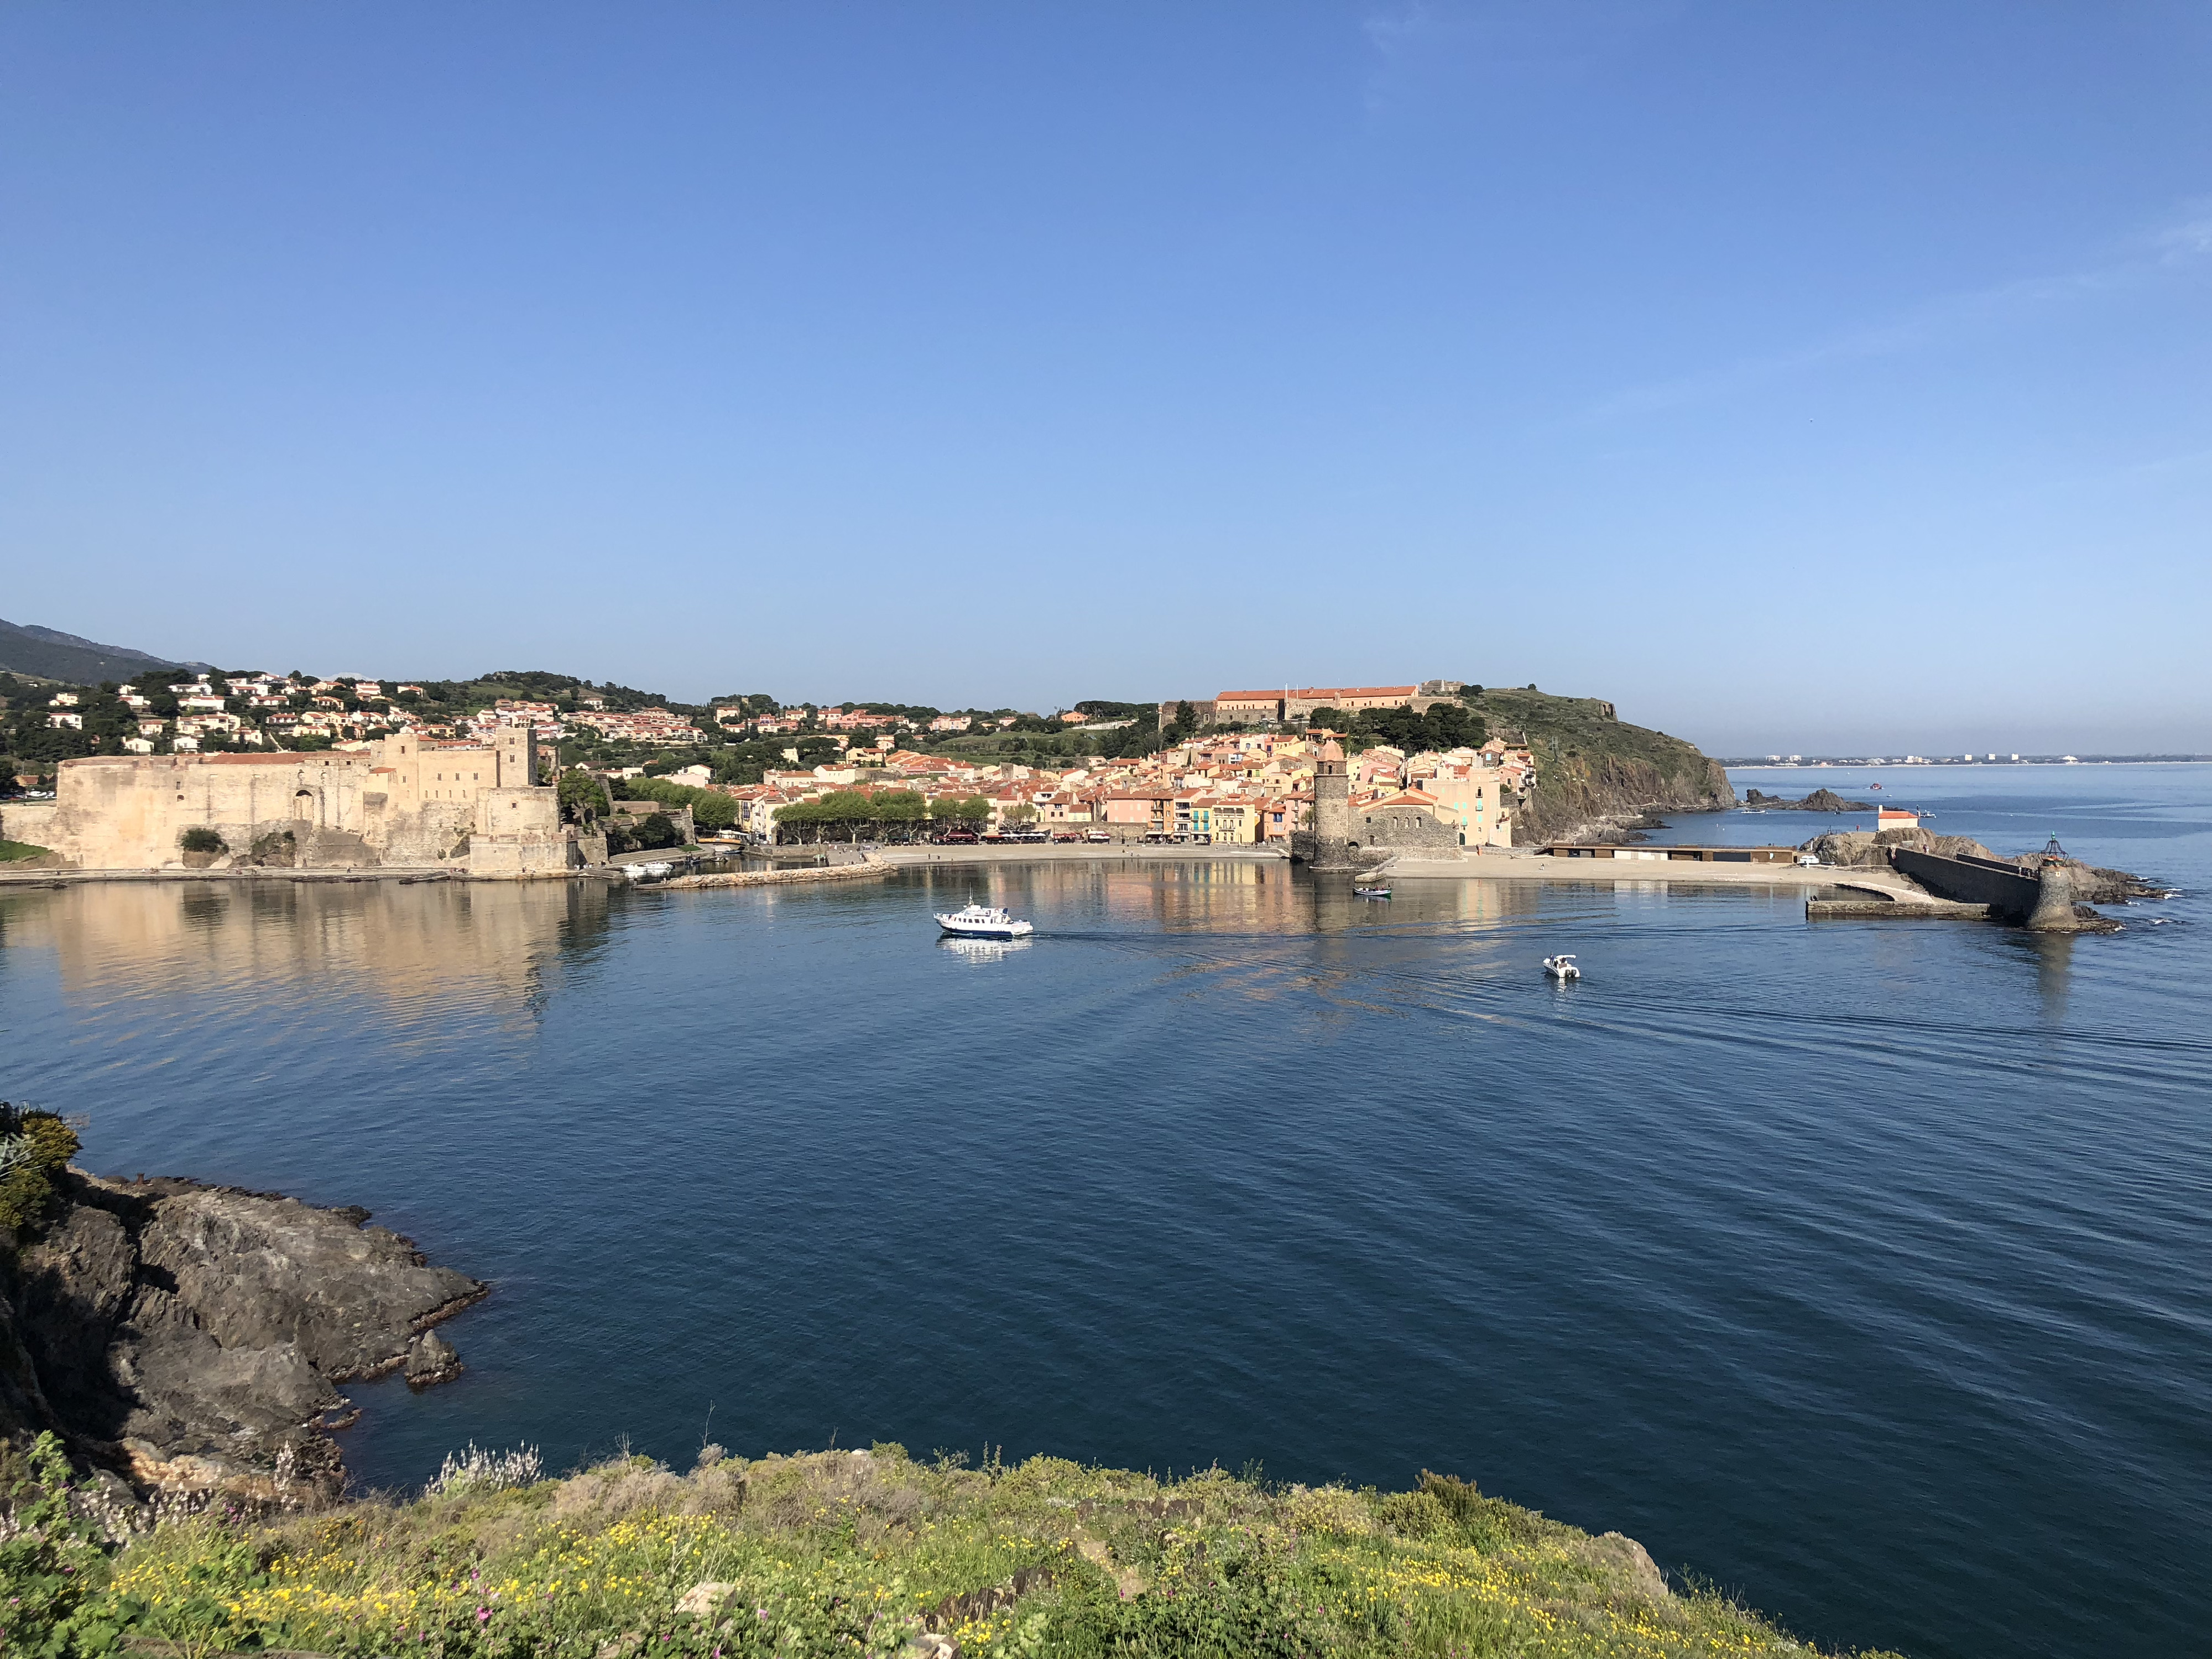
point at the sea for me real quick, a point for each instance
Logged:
(1863, 1270)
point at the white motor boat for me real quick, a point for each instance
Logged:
(1562, 967)
(983, 921)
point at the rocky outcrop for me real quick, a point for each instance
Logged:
(1821, 800)
(1867, 849)
(193, 1336)
(1594, 768)
(1577, 791)
(2092, 884)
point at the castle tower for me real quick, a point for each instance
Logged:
(516, 748)
(1332, 810)
(2054, 899)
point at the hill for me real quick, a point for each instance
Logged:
(1591, 764)
(47, 654)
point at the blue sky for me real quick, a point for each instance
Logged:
(1823, 375)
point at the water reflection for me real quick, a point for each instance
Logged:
(2054, 964)
(404, 943)
(1227, 898)
(983, 949)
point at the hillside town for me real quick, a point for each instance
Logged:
(1234, 769)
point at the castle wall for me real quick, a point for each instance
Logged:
(31, 822)
(127, 812)
(342, 809)
(1403, 826)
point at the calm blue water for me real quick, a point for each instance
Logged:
(1860, 1267)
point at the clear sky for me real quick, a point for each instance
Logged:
(1806, 375)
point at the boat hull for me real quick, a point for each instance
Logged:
(986, 930)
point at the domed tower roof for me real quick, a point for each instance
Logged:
(1330, 751)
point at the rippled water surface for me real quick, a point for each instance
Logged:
(1865, 1269)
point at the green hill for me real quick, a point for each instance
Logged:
(1590, 764)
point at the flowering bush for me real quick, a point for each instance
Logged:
(484, 1471)
(52, 1568)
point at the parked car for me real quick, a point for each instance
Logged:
(1096, 834)
(1067, 834)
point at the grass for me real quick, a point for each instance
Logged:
(843, 1553)
(14, 852)
(1583, 728)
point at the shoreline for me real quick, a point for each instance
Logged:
(1500, 865)
(1086, 852)
(52, 876)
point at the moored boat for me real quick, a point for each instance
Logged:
(1562, 967)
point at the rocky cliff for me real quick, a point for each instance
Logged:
(193, 1337)
(1593, 767)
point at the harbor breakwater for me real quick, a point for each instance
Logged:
(872, 869)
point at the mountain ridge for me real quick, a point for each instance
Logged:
(48, 654)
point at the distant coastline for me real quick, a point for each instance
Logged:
(1739, 762)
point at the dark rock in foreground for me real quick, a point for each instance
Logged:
(192, 1336)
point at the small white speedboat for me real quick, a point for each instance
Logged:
(983, 921)
(1562, 967)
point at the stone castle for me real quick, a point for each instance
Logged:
(474, 806)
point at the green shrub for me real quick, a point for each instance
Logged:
(52, 1566)
(711, 809)
(1413, 1515)
(201, 839)
(582, 795)
(1488, 1523)
(34, 1147)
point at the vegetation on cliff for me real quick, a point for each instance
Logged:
(1590, 764)
(35, 1148)
(868, 1553)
